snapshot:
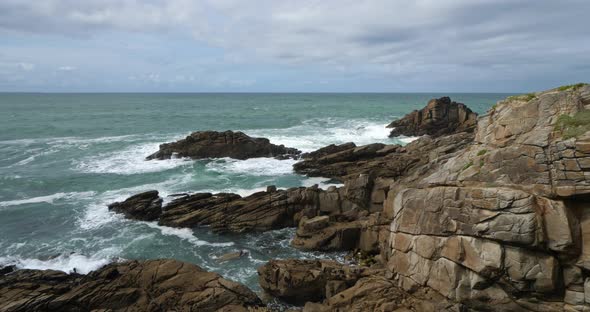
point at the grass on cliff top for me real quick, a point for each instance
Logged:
(572, 87)
(522, 97)
(573, 126)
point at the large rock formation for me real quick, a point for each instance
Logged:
(213, 144)
(501, 226)
(153, 285)
(439, 117)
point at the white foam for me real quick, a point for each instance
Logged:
(97, 214)
(323, 183)
(316, 133)
(65, 263)
(253, 166)
(406, 140)
(184, 234)
(129, 161)
(50, 199)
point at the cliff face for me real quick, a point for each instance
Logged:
(504, 225)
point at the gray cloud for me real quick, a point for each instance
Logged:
(488, 41)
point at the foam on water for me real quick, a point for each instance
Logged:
(65, 263)
(184, 234)
(49, 199)
(129, 161)
(316, 133)
(97, 214)
(254, 166)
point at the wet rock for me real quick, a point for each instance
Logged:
(145, 206)
(213, 144)
(153, 285)
(440, 117)
(232, 256)
(7, 269)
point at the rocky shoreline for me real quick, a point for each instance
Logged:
(488, 213)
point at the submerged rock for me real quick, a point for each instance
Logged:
(213, 144)
(152, 285)
(440, 117)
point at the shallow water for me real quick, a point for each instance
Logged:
(64, 157)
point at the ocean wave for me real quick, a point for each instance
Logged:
(254, 166)
(49, 199)
(129, 161)
(319, 132)
(72, 140)
(185, 234)
(97, 214)
(66, 263)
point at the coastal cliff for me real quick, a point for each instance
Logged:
(491, 214)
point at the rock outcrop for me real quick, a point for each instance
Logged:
(380, 160)
(153, 285)
(213, 144)
(440, 117)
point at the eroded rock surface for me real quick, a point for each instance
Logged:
(299, 281)
(440, 117)
(153, 285)
(213, 144)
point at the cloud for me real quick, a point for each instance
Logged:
(67, 68)
(440, 43)
(26, 66)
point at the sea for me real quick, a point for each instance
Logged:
(65, 157)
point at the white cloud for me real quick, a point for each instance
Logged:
(26, 66)
(67, 68)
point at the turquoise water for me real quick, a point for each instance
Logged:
(64, 157)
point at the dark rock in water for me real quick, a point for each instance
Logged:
(232, 256)
(145, 206)
(226, 212)
(153, 285)
(7, 269)
(327, 150)
(439, 117)
(213, 144)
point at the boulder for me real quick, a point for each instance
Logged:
(145, 206)
(152, 285)
(213, 144)
(440, 117)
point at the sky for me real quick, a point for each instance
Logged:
(293, 46)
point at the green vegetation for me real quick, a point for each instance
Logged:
(467, 165)
(481, 163)
(573, 126)
(573, 86)
(482, 152)
(523, 97)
